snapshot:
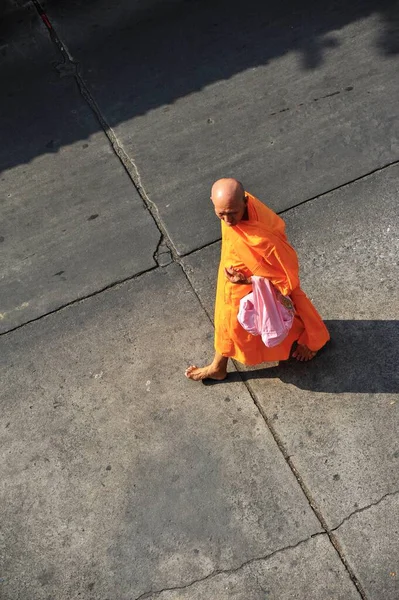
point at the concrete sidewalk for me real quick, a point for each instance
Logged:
(120, 478)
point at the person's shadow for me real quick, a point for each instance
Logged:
(362, 357)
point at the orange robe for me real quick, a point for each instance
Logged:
(260, 247)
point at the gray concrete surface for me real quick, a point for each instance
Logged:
(311, 570)
(122, 473)
(349, 446)
(72, 222)
(141, 9)
(120, 477)
(298, 100)
(348, 248)
(371, 538)
(201, 268)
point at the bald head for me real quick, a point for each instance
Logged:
(228, 197)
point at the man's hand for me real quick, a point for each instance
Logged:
(235, 276)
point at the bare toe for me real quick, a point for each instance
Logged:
(188, 372)
(303, 353)
(209, 372)
(196, 374)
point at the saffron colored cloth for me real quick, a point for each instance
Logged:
(259, 246)
(265, 312)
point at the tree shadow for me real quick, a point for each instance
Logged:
(389, 39)
(198, 43)
(134, 66)
(362, 357)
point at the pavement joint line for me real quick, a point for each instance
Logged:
(317, 512)
(342, 185)
(321, 195)
(53, 35)
(217, 572)
(110, 286)
(133, 172)
(130, 165)
(201, 247)
(127, 162)
(288, 459)
(364, 508)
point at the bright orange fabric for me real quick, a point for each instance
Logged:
(260, 247)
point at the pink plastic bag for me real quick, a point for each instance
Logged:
(266, 312)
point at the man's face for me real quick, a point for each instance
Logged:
(230, 210)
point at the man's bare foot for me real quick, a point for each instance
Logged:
(209, 372)
(303, 353)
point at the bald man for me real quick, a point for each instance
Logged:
(254, 243)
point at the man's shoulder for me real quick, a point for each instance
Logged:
(264, 216)
(260, 208)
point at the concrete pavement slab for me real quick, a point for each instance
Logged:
(294, 100)
(338, 416)
(120, 476)
(72, 222)
(202, 269)
(356, 247)
(311, 570)
(370, 540)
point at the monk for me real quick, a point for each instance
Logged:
(254, 243)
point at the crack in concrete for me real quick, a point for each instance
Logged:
(128, 164)
(364, 508)
(133, 172)
(80, 299)
(302, 202)
(156, 251)
(217, 572)
(71, 66)
(309, 102)
(313, 505)
(162, 255)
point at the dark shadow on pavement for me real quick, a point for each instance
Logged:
(362, 357)
(133, 66)
(200, 42)
(389, 40)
